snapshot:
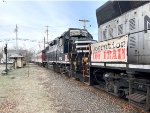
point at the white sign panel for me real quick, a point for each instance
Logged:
(78, 32)
(114, 50)
(74, 32)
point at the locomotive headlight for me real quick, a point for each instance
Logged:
(107, 75)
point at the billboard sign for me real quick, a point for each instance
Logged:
(114, 50)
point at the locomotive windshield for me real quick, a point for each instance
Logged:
(113, 9)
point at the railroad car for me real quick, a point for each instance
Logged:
(120, 61)
(41, 58)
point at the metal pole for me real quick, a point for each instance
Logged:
(28, 68)
(84, 23)
(27, 59)
(47, 32)
(16, 30)
(44, 42)
(6, 58)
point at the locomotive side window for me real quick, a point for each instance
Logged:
(66, 44)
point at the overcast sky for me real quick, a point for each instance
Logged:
(32, 17)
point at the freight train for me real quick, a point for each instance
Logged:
(119, 62)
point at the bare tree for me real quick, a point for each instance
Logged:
(29, 55)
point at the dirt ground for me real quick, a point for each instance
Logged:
(45, 91)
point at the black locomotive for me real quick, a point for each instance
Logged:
(69, 53)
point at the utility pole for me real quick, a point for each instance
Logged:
(47, 32)
(84, 22)
(44, 42)
(16, 30)
(5, 51)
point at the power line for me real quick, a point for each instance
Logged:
(20, 39)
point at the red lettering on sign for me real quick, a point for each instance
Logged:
(98, 55)
(105, 54)
(114, 54)
(109, 54)
(119, 53)
(123, 53)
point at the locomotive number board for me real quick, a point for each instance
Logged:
(74, 32)
(114, 50)
(78, 33)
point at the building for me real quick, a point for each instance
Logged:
(10, 53)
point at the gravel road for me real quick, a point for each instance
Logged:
(45, 91)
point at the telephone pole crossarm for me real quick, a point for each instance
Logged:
(84, 22)
(5, 51)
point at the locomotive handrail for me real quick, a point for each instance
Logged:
(140, 31)
(126, 34)
(142, 84)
